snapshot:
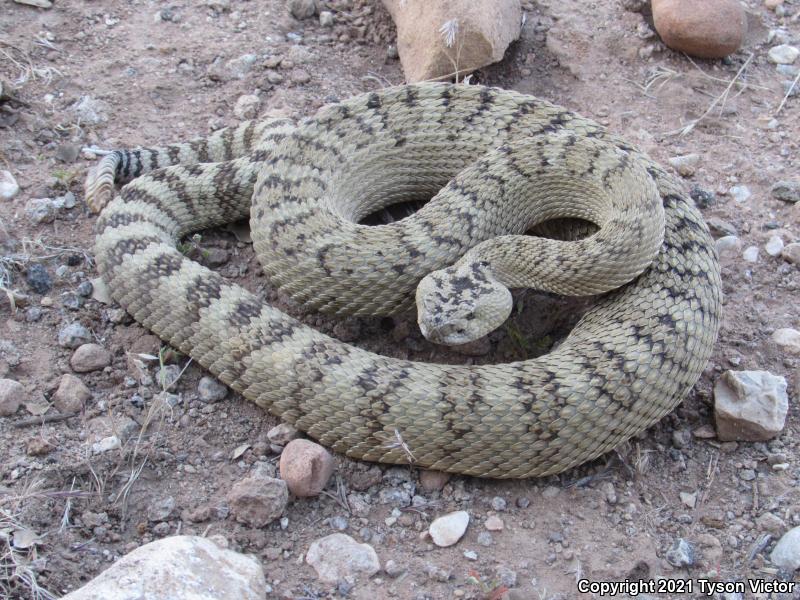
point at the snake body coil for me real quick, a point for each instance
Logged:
(632, 357)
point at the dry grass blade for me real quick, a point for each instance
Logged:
(788, 93)
(716, 101)
(22, 62)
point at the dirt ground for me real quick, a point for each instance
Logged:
(121, 73)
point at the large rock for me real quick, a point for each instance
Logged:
(750, 406)
(337, 556)
(786, 553)
(179, 567)
(447, 530)
(258, 500)
(12, 394)
(71, 395)
(707, 29)
(436, 38)
(306, 467)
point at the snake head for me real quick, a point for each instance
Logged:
(461, 304)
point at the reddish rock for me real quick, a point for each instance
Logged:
(433, 481)
(90, 357)
(306, 467)
(706, 29)
(71, 395)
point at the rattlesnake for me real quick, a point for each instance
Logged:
(631, 358)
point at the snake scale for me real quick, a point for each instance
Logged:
(482, 152)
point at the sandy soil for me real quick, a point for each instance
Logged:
(157, 72)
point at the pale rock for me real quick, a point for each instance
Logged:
(740, 193)
(728, 245)
(106, 444)
(71, 395)
(750, 405)
(12, 395)
(783, 54)
(9, 187)
(36, 3)
(306, 467)
(338, 556)
(685, 165)
(750, 254)
(326, 18)
(258, 500)
(178, 567)
(480, 31)
(786, 553)
(90, 357)
(772, 4)
(689, 499)
(791, 253)
(448, 529)
(91, 110)
(282, 434)
(40, 210)
(787, 340)
(494, 523)
(708, 29)
(774, 246)
(247, 106)
(771, 523)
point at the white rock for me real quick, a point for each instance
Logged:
(337, 556)
(447, 530)
(783, 54)
(247, 106)
(728, 245)
(90, 110)
(8, 186)
(788, 340)
(685, 165)
(179, 567)
(750, 405)
(106, 444)
(750, 254)
(774, 245)
(740, 193)
(786, 553)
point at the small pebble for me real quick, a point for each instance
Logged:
(685, 165)
(788, 191)
(74, 335)
(211, 390)
(750, 254)
(38, 279)
(783, 54)
(680, 554)
(90, 357)
(774, 246)
(740, 193)
(499, 504)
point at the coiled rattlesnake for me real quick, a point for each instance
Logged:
(631, 358)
